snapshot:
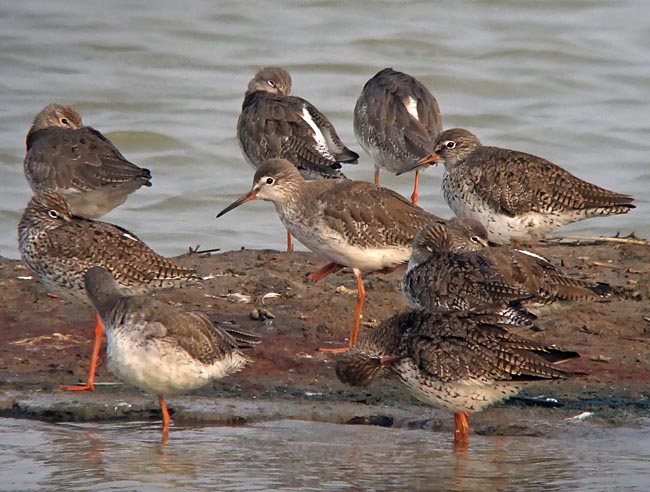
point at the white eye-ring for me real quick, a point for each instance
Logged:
(270, 181)
(53, 213)
(475, 239)
(272, 83)
(450, 144)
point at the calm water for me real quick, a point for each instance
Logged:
(564, 79)
(301, 456)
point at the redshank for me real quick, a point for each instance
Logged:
(79, 163)
(396, 121)
(158, 348)
(459, 361)
(527, 271)
(354, 224)
(516, 196)
(58, 248)
(273, 123)
(440, 275)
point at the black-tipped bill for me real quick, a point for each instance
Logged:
(251, 195)
(432, 159)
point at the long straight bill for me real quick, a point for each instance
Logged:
(251, 195)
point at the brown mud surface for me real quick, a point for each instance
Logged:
(46, 342)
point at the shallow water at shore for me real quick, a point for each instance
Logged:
(565, 80)
(302, 456)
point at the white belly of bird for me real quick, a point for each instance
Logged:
(465, 395)
(331, 244)
(502, 228)
(161, 367)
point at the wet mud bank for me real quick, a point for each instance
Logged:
(46, 342)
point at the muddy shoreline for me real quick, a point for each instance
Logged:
(45, 342)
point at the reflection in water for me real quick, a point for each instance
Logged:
(302, 456)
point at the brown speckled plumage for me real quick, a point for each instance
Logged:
(159, 348)
(78, 162)
(352, 223)
(440, 277)
(514, 194)
(191, 332)
(361, 215)
(385, 125)
(58, 248)
(273, 123)
(530, 272)
(455, 360)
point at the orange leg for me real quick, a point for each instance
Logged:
(323, 272)
(377, 176)
(361, 298)
(414, 195)
(166, 419)
(90, 381)
(289, 241)
(461, 430)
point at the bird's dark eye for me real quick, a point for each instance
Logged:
(272, 83)
(270, 181)
(53, 213)
(64, 121)
(475, 239)
(450, 144)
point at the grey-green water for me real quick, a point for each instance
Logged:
(567, 80)
(302, 456)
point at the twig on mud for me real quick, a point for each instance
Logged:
(631, 239)
(195, 250)
(617, 267)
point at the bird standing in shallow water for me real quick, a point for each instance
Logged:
(158, 348)
(458, 361)
(396, 121)
(274, 124)
(354, 224)
(79, 163)
(516, 196)
(58, 248)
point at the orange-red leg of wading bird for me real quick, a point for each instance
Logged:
(461, 429)
(289, 241)
(166, 419)
(361, 298)
(90, 381)
(377, 176)
(323, 272)
(414, 195)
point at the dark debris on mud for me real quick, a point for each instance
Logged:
(46, 342)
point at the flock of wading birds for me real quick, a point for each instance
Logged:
(467, 279)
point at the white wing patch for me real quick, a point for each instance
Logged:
(534, 255)
(321, 141)
(411, 105)
(129, 236)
